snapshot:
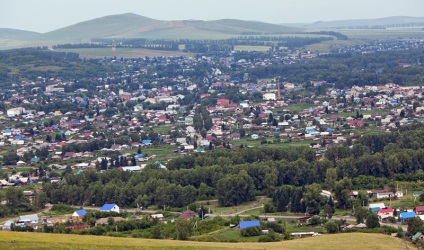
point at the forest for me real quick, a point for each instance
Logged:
(292, 176)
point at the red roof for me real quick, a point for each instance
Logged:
(385, 210)
(419, 209)
(188, 214)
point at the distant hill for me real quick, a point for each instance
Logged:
(132, 25)
(6, 33)
(387, 22)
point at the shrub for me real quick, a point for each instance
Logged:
(62, 208)
(274, 226)
(271, 237)
(250, 231)
(331, 227)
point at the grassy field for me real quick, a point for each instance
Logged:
(232, 235)
(216, 209)
(325, 46)
(123, 52)
(251, 48)
(384, 34)
(255, 143)
(16, 240)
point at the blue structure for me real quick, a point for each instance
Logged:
(249, 223)
(138, 156)
(146, 141)
(107, 207)
(19, 137)
(81, 212)
(406, 215)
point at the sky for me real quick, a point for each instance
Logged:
(47, 15)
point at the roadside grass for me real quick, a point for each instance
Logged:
(20, 240)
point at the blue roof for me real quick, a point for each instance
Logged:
(18, 137)
(146, 141)
(329, 129)
(416, 193)
(80, 171)
(249, 223)
(107, 207)
(138, 156)
(8, 131)
(81, 212)
(406, 215)
(77, 121)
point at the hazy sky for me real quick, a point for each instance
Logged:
(47, 15)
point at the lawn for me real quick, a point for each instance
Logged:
(17, 240)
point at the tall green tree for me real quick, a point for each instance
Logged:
(235, 189)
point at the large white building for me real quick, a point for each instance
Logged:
(15, 112)
(269, 96)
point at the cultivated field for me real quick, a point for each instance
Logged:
(15, 240)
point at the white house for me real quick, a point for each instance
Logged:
(28, 219)
(110, 208)
(15, 112)
(269, 96)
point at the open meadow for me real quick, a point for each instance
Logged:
(15, 240)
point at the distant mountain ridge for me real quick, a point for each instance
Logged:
(7, 33)
(395, 21)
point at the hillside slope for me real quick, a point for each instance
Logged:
(387, 21)
(6, 33)
(132, 25)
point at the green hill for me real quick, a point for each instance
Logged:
(132, 26)
(6, 33)
(17, 240)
